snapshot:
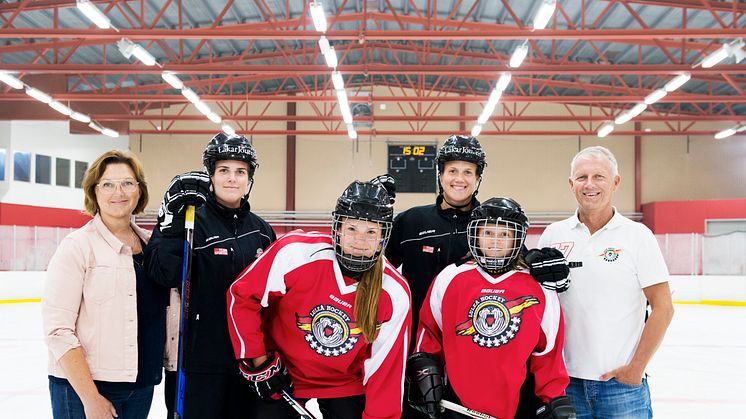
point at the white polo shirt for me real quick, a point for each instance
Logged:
(604, 307)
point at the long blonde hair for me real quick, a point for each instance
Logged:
(366, 301)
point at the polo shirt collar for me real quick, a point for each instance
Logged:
(616, 220)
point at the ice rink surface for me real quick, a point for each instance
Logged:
(699, 371)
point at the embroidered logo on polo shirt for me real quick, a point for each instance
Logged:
(494, 320)
(611, 254)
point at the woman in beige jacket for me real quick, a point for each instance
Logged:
(104, 320)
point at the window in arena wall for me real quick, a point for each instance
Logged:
(62, 172)
(80, 168)
(2, 164)
(43, 169)
(22, 166)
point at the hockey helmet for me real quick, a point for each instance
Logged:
(461, 148)
(364, 201)
(496, 233)
(229, 147)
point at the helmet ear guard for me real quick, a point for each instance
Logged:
(502, 225)
(365, 201)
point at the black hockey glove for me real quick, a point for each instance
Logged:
(190, 188)
(425, 380)
(557, 408)
(549, 268)
(387, 181)
(269, 379)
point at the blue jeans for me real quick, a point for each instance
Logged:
(130, 404)
(610, 399)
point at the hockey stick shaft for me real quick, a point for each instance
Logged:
(295, 404)
(186, 276)
(464, 410)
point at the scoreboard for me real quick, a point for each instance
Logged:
(413, 167)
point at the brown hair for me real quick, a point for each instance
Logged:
(366, 301)
(97, 169)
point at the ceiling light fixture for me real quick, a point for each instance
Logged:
(129, 48)
(677, 82)
(545, 12)
(93, 14)
(476, 130)
(80, 117)
(655, 96)
(337, 81)
(503, 81)
(38, 95)
(605, 129)
(59, 107)
(519, 54)
(228, 129)
(10, 80)
(630, 113)
(172, 79)
(110, 132)
(190, 95)
(318, 17)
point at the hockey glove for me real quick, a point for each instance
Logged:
(425, 379)
(387, 181)
(549, 268)
(190, 188)
(268, 379)
(557, 408)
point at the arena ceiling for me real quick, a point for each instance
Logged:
(239, 56)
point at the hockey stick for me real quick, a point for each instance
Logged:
(464, 410)
(295, 404)
(186, 279)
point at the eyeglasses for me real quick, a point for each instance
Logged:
(127, 185)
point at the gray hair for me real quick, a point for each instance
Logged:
(595, 152)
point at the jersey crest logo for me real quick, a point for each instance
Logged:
(329, 330)
(611, 254)
(493, 320)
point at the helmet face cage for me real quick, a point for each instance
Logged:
(225, 147)
(378, 242)
(495, 243)
(461, 148)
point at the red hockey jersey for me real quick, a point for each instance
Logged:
(485, 328)
(294, 299)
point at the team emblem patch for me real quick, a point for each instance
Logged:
(329, 330)
(611, 254)
(220, 251)
(493, 320)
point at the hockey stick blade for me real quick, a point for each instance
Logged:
(295, 404)
(464, 410)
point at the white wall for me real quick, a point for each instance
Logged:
(23, 285)
(50, 138)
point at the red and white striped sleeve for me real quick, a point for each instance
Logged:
(384, 370)
(266, 275)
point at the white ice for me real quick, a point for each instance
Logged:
(699, 371)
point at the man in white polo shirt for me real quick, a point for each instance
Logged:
(609, 338)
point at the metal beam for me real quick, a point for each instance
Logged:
(230, 32)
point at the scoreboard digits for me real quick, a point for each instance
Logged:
(413, 167)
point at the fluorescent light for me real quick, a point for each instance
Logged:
(736, 50)
(317, 14)
(545, 12)
(190, 95)
(519, 54)
(344, 106)
(331, 58)
(80, 117)
(93, 14)
(110, 132)
(38, 95)
(476, 130)
(95, 126)
(484, 116)
(351, 132)
(725, 133)
(172, 79)
(715, 57)
(337, 80)
(59, 107)
(129, 48)
(202, 107)
(657, 95)
(228, 129)
(503, 81)
(324, 45)
(605, 129)
(629, 114)
(677, 82)
(10, 80)
(494, 98)
(212, 116)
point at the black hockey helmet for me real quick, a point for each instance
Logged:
(365, 201)
(229, 147)
(461, 148)
(491, 220)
